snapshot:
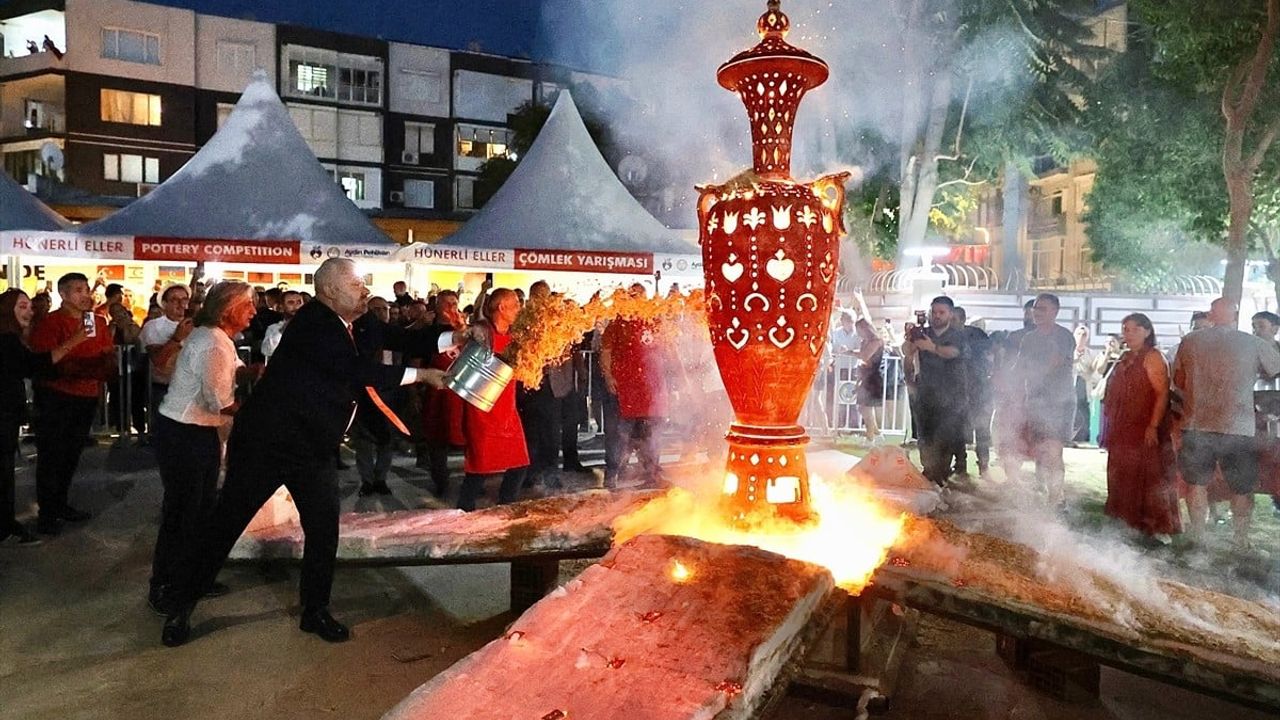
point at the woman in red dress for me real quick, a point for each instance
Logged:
(494, 440)
(1140, 488)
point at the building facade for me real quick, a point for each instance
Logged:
(112, 96)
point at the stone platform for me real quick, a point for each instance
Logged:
(629, 639)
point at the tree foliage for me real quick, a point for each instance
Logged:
(525, 123)
(987, 82)
(1159, 133)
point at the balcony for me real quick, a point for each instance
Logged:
(31, 64)
(1039, 228)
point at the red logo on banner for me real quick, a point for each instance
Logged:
(585, 261)
(279, 252)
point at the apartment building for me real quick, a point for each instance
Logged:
(113, 96)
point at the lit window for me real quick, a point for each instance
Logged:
(352, 184)
(130, 107)
(483, 143)
(316, 72)
(110, 167)
(130, 46)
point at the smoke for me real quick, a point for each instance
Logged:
(671, 111)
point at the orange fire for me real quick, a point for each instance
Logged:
(851, 537)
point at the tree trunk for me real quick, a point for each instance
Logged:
(1013, 214)
(1240, 96)
(921, 183)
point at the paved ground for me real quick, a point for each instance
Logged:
(77, 641)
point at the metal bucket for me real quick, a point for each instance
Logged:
(478, 376)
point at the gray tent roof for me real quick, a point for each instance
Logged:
(255, 178)
(20, 210)
(563, 195)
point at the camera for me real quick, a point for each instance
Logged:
(916, 332)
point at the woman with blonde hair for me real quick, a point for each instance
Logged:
(200, 401)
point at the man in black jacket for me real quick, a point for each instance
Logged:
(287, 433)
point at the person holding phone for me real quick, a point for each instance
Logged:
(67, 400)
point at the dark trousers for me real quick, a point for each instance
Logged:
(1080, 424)
(978, 431)
(438, 466)
(473, 487)
(373, 458)
(540, 417)
(641, 436)
(613, 444)
(188, 457)
(253, 475)
(572, 412)
(941, 429)
(9, 424)
(61, 433)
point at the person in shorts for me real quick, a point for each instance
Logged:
(1214, 373)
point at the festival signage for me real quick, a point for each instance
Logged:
(280, 252)
(319, 253)
(453, 256)
(678, 265)
(65, 244)
(625, 263)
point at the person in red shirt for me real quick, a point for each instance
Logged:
(635, 361)
(494, 440)
(66, 402)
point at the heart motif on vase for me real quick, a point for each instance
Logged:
(731, 271)
(827, 275)
(737, 342)
(780, 267)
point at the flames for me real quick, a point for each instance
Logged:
(851, 538)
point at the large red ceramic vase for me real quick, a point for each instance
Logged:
(770, 249)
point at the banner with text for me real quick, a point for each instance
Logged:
(453, 256)
(626, 263)
(282, 252)
(67, 245)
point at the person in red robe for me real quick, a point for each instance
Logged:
(1140, 461)
(441, 408)
(635, 362)
(494, 440)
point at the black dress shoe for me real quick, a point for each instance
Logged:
(48, 526)
(381, 488)
(71, 514)
(577, 468)
(177, 627)
(366, 489)
(322, 624)
(19, 535)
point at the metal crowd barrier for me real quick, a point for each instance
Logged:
(832, 409)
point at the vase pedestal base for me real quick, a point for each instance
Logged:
(767, 476)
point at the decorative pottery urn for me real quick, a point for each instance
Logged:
(770, 249)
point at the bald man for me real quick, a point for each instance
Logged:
(1215, 372)
(287, 433)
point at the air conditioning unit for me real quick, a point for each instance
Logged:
(408, 157)
(144, 188)
(397, 196)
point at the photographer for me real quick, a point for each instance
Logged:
(937, 354)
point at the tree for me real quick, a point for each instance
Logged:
(1228, 47)
(958, 131)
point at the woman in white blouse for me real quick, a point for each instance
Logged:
(200, 401)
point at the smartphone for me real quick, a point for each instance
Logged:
(488, 277)
(90, 325)
(920, 318)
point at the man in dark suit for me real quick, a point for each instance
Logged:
(287, 433)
